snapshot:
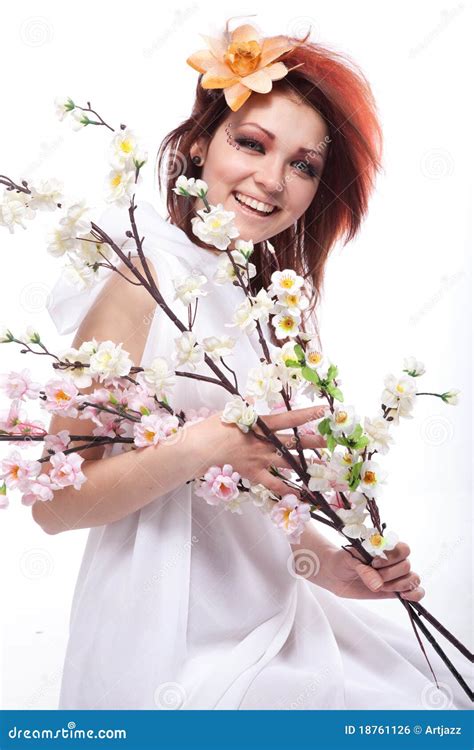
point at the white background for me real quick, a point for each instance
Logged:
(401, 288)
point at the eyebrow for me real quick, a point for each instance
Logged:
(272, 137)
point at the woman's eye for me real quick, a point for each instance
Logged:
(254, 145)
(249, 143)
(307, 168)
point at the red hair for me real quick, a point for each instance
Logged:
(333, 85)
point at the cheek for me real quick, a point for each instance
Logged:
(299, 197)
(225, 165)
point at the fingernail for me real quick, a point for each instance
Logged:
(375, 583)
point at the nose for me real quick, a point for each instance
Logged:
(269, 177)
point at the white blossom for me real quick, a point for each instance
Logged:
(243, 317)
(238, 412)
(15, 210)
(320, 475)
(285, 282)
(215, 227)
(46, 195)
(189, 186)
(63, 105)
(245, 247)
(110, 361)
(293, 300)
(159, 376)
(342, 420)
(262, 305)
(225, 271)
(120, 186)
(263, 383)
(353, 521)
(123, 149)
(218, 346)
(414, 368)
(78, 274)
(188, 288)
(188, 352)
(376, 543)
(286, 325)
(262, 497)
(372, 477)
(451, 397)
(378, 431)
(399, 395)
(314, 357)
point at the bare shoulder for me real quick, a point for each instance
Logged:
(122, 312)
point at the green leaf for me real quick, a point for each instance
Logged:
(332, 372)
(310, 375)
(356, 433)
(361, 444)
(292, 363)
(335, 393)
(355, 476)
(299, 353)
(324, 427)
(331, 443)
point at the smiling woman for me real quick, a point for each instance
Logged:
(180, 603)
(309, 150)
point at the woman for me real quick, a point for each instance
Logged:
(179, 604)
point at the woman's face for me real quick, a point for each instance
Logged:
(280, 168)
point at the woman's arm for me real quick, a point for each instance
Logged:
(312, 556)
(119, 485)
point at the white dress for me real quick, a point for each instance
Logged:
(186, 605)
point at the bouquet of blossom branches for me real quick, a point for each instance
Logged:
(338, 485)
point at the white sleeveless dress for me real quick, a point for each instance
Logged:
(188, 606)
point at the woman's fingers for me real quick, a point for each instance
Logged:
(409, 583)
(307, 441)
(397, 554)
(275, 484)
(294, 418)
(415, 595)
(395, 571)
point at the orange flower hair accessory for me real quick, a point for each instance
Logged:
(242, 62)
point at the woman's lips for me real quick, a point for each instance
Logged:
(252, 211)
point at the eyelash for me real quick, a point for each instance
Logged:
(246, 141)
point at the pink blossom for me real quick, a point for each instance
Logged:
(149, 431)
(16, 422)
(61, 397)
(67, 470)
(140, 399)
(291, 515)
(20, 385)
(109, 425)
(39, 490)
(220, 484)
(10, 418)
(16, 470)
(169, 425)
(57, 443)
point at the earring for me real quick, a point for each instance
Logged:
(196, 160)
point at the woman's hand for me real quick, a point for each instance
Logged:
(216, 443)
(382, 579)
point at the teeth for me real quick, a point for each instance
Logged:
(266, 208)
